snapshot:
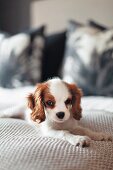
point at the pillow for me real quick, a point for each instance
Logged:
(89, 59)
(97, 25)
(53, 55)
(21, 58)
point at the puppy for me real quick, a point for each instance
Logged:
(55, 105)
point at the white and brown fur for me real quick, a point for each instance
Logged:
(55, 105)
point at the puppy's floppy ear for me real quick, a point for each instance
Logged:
(31, 103)
(76, 100)
(35, 103)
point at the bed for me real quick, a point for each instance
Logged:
(23, 147)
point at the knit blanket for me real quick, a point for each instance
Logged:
(21, 147)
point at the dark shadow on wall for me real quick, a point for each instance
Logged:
(14, 15)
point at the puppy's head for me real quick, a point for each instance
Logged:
(55, 100)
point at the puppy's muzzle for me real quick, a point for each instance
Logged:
(60, 115)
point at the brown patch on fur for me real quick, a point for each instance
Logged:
(49, 97)
(36, 104)
(76, 100)
(31, 103)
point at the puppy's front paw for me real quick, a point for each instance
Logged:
(102, 137)
(82, 141)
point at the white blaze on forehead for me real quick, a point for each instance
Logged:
(58, 89)
(61, 93)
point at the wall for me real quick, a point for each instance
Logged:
(56, 13)
(17, 15)
(14, 15)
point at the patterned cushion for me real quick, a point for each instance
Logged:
(89, 59)
(53, 54)
(97, 25)
(20, 58)
(21, 147)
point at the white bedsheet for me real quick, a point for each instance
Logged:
(13, 101)
(97, 103)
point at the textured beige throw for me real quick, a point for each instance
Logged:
(22, 148)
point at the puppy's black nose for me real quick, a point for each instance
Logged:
(60, 115)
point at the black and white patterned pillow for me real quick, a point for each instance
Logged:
(21, 58)
(88, 59)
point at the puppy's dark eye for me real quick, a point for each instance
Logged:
(50, 103)
(68, 102)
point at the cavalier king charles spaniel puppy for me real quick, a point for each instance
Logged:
(55, 105)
